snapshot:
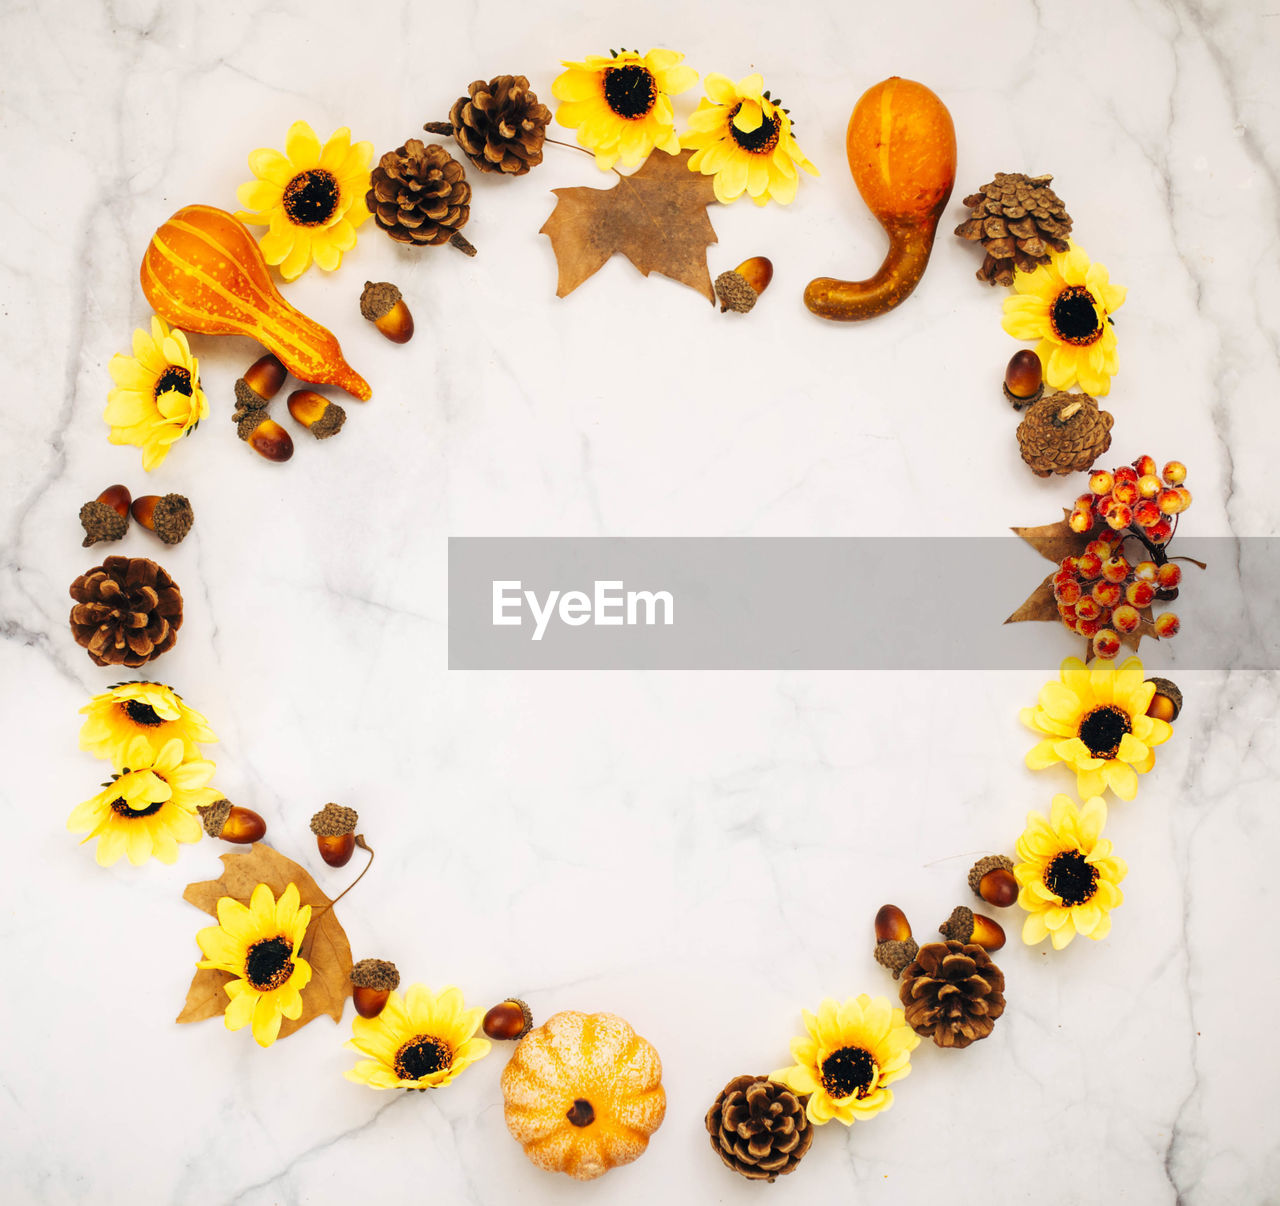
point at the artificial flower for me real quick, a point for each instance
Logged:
(157, 399)
(1066, 304)
(743, 139)
(259, 944)
(147, 810)
(1068, 875)
(419, 1041)
(151, 711)
(1096, 722)
(621, 105)
(853, 1053)
(311, 198)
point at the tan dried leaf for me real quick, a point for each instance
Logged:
(325, 946)
(656, 217)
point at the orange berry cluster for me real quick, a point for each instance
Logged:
(1134, 497)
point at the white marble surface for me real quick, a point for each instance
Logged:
(700, 853)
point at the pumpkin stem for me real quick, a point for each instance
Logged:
(581, 1113)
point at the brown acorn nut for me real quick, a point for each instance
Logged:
(334, 827)
(508, 1020)
(169, 516)
(964, 925)
(265, 436)
(383, 305)
(1166, 703)
(738, 290)
(1024, 379)
(316, 413)
(895, 947)
(261, 382)
(992, 880)
(106, 517)
(373, 981)
(231, 823)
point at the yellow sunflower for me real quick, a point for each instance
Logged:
(311, 198)
(621, 105)
(1068, 874)
(1067, 304)
(853, 1053)
(157, 399)
(1096, 722)
(259, 944)
(420, 1041)
(146, 811)
(150, 711)
(743, 139)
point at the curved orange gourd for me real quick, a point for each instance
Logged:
(902, 153)
(203, 271)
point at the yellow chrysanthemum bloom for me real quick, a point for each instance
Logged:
(743, 139)
(1096, 722)
(259, 945)
(157, 399)
(1068, 874)
(1066, 304)
(150, 711)
(420, 1041)
(311, 198)
(146, 811)
(853, 1053)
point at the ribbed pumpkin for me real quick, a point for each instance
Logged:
(583, 1093)
(203, 272)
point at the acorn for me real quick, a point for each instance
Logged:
(1166, 703)
(383, 305)
(316, 413)
(895, 947)
(265, 436)
(1024, 379)
(106, 517)
(231, 823)
(373, 981)
(261, 382)
(508, 1020)
(335, 830)
(738, 290)
(169, 516)
(992, 880)
(964, 925)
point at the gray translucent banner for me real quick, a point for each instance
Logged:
(858, 603)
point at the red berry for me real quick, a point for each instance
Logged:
(1168, 501)
(1108, 594)
(1169, 575)
(1149, 485)
(1120, 516)
(1068, 592)
(1161, 533)
(1068, 614)
(1184, 498)
(1146, 514)
(1101, 482)
(1140, 593)
(1086, 628)
(1080, 522)
(1125, 492)
(1126, 474)
(1174, 472)
(1090, 566)
(1145, 571)
(1125, 618)
(1115, 569)
(1088, 608)
(1106, 643)
(1167, 624)
(1144, 466)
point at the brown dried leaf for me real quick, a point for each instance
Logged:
(1054, 541)
(325, 946)
(1038, 605)
(656, 217)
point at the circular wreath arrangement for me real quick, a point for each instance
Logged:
(583, 1092)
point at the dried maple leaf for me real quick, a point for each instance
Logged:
(325, 946)
(656, 217)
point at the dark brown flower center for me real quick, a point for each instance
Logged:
(630, 91)
(1102, 729)
(311, 197)
(175, 377)
(421, 1056)
(848, 1072)
(1071, 878)
(120, 807)
(142, 713)
(1074, 316)
(269, 963)
(762, 139)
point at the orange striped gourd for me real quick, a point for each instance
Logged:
(203, 272)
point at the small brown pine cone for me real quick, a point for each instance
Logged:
(759, 1128)
(1018, 220)
(952, 993)
(420, 194)
(501, 125)
(127, 611)
(1063, 433)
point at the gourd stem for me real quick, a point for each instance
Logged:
(853, 301)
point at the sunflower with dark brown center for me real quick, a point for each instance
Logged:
(152, 711)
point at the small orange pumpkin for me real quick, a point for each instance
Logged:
(203, 272)
(583, 1093)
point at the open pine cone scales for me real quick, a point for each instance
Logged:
(759, 1128)
(952, 993)
(1018, 220)
(420, 194)
(127, 611)
(501, 125)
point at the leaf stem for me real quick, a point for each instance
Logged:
(363, 846)
(574, 147)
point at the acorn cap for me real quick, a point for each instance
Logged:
(247, 420)
(329, 423)
(959, 926)
(378, 974)
(896, 955)
(735, 292)
(378, 299)
(214, 816)
(1170, 691)
(248, 398)
(101, 522)
(172, 518)
(993, 862)
(333, 820)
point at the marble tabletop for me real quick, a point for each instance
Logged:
(701, 853)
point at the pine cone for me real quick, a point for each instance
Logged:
(500, 126)
(1063, 433)
(952, 993)
(128, 611)
(759, 1128)
(420, 194)
(1018, 220)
